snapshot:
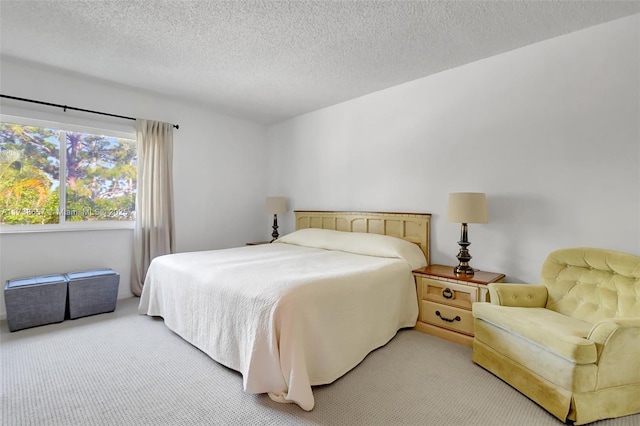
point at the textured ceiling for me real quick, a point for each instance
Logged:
(270, 60)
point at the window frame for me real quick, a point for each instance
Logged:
(65, 126)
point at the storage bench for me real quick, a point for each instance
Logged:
(92, 292)
(35, 301)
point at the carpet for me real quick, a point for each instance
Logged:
(122, 368)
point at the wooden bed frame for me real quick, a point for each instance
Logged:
(414, 227)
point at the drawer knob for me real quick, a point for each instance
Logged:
(457, 318)
(447, 293)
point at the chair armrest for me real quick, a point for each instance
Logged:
(521, 295)
(618, 346)
(604, 331)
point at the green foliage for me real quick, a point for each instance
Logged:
(100, 182)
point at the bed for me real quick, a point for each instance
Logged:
(301, 311)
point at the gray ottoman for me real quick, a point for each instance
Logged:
(35, 301)
(92, 292)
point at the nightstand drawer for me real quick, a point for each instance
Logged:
(458, 295)
(456, 319)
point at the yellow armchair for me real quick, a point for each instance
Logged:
(572, 343)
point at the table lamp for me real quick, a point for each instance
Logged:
(464, 208)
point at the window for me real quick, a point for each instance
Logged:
(56, 174)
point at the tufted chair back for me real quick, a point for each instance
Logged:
(592, 284)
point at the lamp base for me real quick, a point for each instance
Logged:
(275, 234)
(463, 256)
(462, 269)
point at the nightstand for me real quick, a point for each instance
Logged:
(445, 299)
(257, 243)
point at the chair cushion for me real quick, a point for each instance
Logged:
(561, 334)
(592, 284)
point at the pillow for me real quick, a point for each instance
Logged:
(359, 243)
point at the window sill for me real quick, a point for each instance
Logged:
(67, 227)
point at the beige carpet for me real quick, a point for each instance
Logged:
(127, 369)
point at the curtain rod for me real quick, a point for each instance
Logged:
(65, 108)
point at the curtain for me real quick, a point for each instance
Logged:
(154, 233)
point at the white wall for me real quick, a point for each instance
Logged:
(219, 169)
(551, 132)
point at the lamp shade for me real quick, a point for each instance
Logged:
(276, 205)
(467, 207)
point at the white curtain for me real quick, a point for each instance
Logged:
(154, 233)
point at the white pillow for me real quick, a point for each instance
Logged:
(359, 243)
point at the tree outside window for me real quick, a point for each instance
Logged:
(98, 176)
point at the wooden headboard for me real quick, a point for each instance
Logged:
(414, 227)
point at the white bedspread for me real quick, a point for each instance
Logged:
(285, 316)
